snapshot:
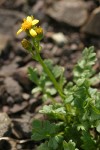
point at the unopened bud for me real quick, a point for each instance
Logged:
(26, 44)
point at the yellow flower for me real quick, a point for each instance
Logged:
(27, 24)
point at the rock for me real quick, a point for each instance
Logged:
(59, 38)
(4, 39)
(8, 70)
(73, 12)
(25, 96)
(4, 123)
(21, 75)
(93, 25)
(8, 20)
(12, 87)
(17, 4)
(18, 107)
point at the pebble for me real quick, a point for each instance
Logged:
(59, 38)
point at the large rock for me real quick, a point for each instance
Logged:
(9, 20)
(93, 25)
(73, 12)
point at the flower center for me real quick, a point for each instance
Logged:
(26, 25)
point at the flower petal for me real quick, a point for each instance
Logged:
(19, 31)
(34, 22)
(32, 32)
(29, 19)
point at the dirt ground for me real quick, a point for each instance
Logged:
(63, 43)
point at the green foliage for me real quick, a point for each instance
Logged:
(42, 130)
(84, 67)
(69, 146)
(74, 120)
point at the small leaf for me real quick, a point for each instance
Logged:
(33, 76)
(55, 141)
(37, 89)
(51, 91)
(43, 146)
(98, 126)
(69, 146)
(58, 71)
(42, 130)
(69, 99)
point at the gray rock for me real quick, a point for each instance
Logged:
(73, 12)
(93, 25)
(8, 70)
(12, 87)
(4, 39)
(59, 38)
(4, 123)
(8, 20)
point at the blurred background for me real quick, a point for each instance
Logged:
(69, 26)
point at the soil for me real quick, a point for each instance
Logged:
(16, 99)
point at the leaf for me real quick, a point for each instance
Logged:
(88, 142)
(69, 146)
(42, 130)
(56, 113)
(33, 75)
(51, 110)
(43, 146)
(84, 66)
(57, 71)
(49, 63)
(54, 142)
(51, 91)
(37, 89)
(69, 99)
(98, 126)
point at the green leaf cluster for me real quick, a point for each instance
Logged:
(74, 120)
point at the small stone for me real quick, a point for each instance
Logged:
(25, 96)
(4, 123)
(8, 70)
(12, 87)
(4, 39)
(93, 25)
(18, 107)
(59, 38)
(21, 75)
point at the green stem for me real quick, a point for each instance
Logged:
(50, 75)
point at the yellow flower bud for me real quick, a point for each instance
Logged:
(39, 30)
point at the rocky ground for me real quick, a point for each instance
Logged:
(69, 26)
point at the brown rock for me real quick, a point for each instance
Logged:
(4, 123)
(4, 39)
(12, 87)
(21, 75)
(8, 70)
(18, 107)
(93, 25)
(71, 12)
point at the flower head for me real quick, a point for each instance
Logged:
(28, 25)
(39, 30)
